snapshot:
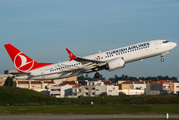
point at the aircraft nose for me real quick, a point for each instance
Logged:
(173, 45)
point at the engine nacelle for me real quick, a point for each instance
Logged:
(115, 64)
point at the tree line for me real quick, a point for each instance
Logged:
(9, 80)
(86, 77)
(126, 77)
(131, 78)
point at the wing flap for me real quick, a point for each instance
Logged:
(85, 61)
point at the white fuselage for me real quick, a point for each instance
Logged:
(129, 53)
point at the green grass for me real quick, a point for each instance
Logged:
(19, 96)
(95, 109)
(12, 96)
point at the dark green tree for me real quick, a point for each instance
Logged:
(81, 77)
(8, 82)
(122, 94)
(173, 78)
(103, 94)
(159, 77)
(166, 78)
(142, 78)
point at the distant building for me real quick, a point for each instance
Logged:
(61, 91)
(71, 83)
(3, 78)
(22, 84)
(88, 91)
(35, 85)
(10, 71)
(100, 90)
(94, 88)
(99, 83)
(153, 89)
(40, 86)
(77, 90)
(112, 90)
(46, 84)
(120, 82)
(176, 88)
(83, 82)
(132, 85)
(74, 78)
(160, 87)
(168, 85)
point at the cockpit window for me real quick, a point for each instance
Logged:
(165, 41)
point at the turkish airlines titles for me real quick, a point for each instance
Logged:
(128, 48)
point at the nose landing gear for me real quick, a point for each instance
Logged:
(162, 60)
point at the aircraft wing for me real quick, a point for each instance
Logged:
(87, 63)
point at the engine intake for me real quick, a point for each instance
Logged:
(115, 64)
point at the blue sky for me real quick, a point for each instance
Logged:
(42, 29)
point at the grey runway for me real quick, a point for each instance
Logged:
(55, 117)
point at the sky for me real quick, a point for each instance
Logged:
(42, 29)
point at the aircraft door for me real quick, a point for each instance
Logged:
(157, 45)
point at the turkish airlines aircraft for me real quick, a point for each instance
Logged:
(109, 60)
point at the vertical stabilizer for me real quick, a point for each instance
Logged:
(22, 62)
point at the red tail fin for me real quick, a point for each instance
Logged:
(71, 55)
(22, 62)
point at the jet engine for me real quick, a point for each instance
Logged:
(115, 64)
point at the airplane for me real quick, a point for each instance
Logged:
(114, 59)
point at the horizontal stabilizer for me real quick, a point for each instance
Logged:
(20, 74)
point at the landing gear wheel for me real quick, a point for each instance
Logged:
(96, 75)
(162, 60)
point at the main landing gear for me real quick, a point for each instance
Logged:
(162, 60)
(96, 74)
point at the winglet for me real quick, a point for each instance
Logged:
(71, 55)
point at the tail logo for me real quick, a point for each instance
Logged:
(23, 63)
